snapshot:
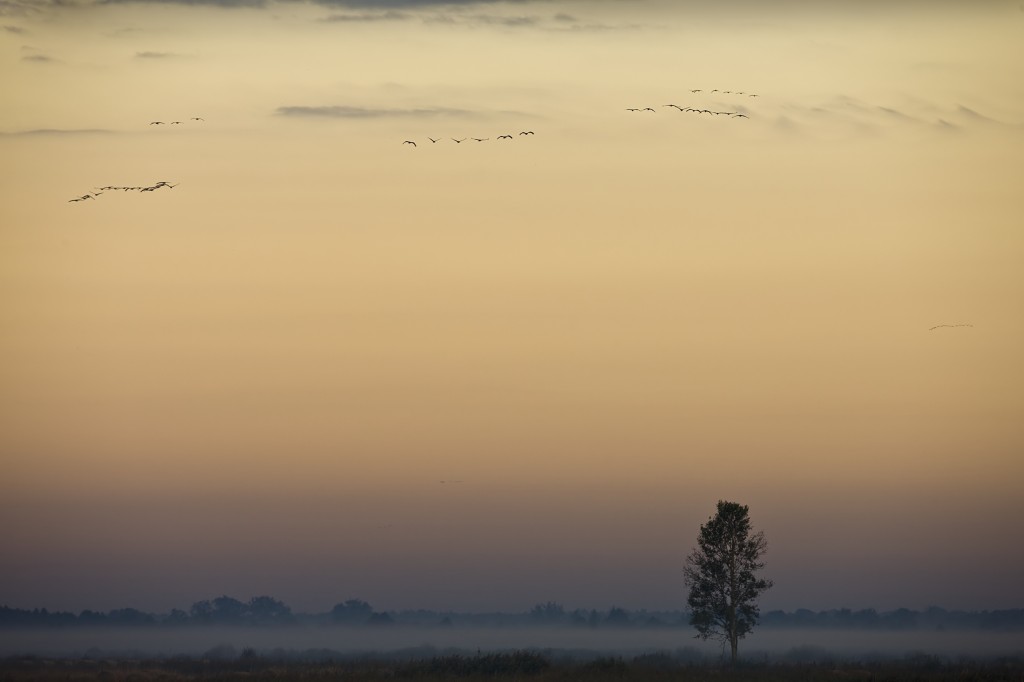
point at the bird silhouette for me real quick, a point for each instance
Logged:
(481, 139)
(459, 141)
(410, 142)
(196, 118)
(503, 137)
(526, 132)
(696, 91)
(432, 139)
(156, 123)
(939, 326)
(740, 116)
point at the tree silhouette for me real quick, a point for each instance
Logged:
(352, 611)
(720, 573)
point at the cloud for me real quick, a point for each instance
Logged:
(495, 20)
(61, 131)
(390, 15)
(194, 3)
(16, 30)
(39, 59)
(408, 4)
(365, 113)
(156, 55)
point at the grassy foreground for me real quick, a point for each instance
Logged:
(527, 666)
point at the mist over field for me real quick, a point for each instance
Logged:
(798, 645)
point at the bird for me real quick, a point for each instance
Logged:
(502, 137)
(175, 123)
(673, 105)
(526, 132)
(459, 141)
(938, 326)
(410, 142)
(753, 95)
(696, 91)
(156, 123)
(432, 139)
(647, 109)
(628, 109)
(740, 116)
(196, 118)
(481, 139)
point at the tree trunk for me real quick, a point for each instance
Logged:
(735, 645)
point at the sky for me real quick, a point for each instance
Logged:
(319, 363)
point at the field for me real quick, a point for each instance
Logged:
(519, 665)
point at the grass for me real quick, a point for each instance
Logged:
(501, 667)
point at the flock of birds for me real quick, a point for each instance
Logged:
(475, 139)
(688, 110)
(699, 110)
(110, 188)
(175, 123)
(692, 110)
(140, 188)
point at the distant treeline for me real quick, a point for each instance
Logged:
(267, 611)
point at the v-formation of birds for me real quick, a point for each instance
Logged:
(700, 110)
(175, 123)
(457, 140)
(113, 188)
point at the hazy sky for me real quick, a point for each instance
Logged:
(481, 375)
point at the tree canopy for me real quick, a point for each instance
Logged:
(721, 574)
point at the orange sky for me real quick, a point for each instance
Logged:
(255, 382)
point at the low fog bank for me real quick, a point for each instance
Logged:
(417, 643)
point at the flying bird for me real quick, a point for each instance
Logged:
(196, 118)
(526, 132)
(156, 123)
(740, 116)
(432, 139)
(502, 137)
(696, 91)
(481, 139)
(939, 326)
(410, 142)
(459, 141)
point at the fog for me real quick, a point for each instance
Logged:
(418, 642)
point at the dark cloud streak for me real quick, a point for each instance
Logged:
(365, 113)
(390, 15)
(58, 132)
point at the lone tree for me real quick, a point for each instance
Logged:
(720, 575)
